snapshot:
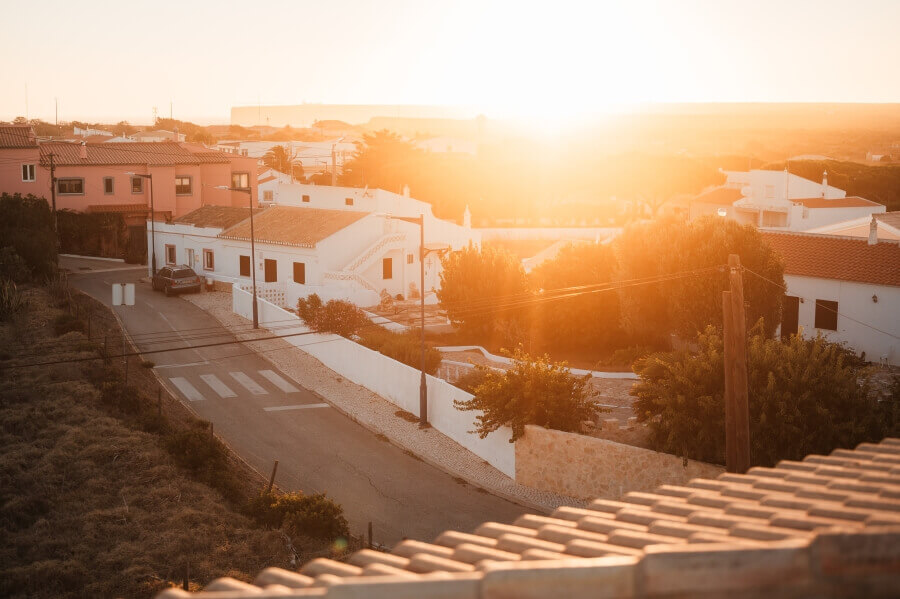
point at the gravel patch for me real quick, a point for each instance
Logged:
(376, 413)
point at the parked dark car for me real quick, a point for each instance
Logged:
(176, 279)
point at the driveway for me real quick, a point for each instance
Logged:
(264, 416)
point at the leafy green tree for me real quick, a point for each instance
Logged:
(686, 305)
(805, 397)
(534, 391)
(336, 316)
(589, 320)
(480, 290)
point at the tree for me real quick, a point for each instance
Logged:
(280, 159)
(479, 290)
(533, 391)
(383, 160)
(686, 305)
(804, 397)
(336, 316)
(27, 227)
(584, 321)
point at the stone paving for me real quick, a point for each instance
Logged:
(376, 413)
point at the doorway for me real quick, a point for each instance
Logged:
(790, 316)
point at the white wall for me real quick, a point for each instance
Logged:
(392, 380)
(854, 304)
(762, 186)
(820, 217)
(554, 233)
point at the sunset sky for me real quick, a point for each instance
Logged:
(117, 60)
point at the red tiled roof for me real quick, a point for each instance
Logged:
(138, 153)
(839, 258)
(218, 217)
(118, 208)
(821, 527)
(848, 202)
(288, 225)
(17, 136)
(724, 196)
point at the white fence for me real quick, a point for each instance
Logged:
(392, 380)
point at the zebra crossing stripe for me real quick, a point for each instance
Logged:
(187, 389)
(279, 382)
(217, 385)
(248, 383)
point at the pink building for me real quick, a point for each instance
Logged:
(94, 177)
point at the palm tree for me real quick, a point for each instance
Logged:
(279, 158)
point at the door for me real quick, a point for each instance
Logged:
(790, 316)
(189, 256)
(271, 269)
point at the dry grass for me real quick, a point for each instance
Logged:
(92, 506)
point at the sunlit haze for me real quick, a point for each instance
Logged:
(118, 60)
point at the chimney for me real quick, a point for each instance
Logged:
(824, 184)
(873, 231)
(406, 191)
(82, 152)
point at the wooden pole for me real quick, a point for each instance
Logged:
(737, 426)
(272, 478)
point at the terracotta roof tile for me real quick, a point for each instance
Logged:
(724, 196)
(17, 136)
(137, 153)
(218, 217)
(300, 227)
(839, 258)
(772, 537)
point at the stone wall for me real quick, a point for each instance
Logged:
(588, 468)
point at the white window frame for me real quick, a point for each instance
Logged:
(31, 170)
(171, 254)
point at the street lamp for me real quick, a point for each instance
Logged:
(152, 221)
(249, 193)
(423, 387)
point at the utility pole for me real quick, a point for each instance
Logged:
(53, 203)
(737, 413)
(423, 385)
(333, 167)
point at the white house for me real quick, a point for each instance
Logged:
(356, 253)
(843, 287)
(270, 181)
(778, 200)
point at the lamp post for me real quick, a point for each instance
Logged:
(152, 221)
(249, 193)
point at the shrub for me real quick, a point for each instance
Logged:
(533, 391)
(314, 515)
(119, 395)
(404, 347)
(471, 380)
(12, 266)
(66, 323)
(336, 316)
(197, 449)
(27, 226)
(11, 300)
(803, 398)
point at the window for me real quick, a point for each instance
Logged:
(108, 185)
(300, 273)
(70, 186)
(268, 195)
(209, 262)
(271, 270)
(189, 257)
(348, 201)
(137, 185)
(306, 199)
(184, 185)
(164, 272)
(410, 258)
(826, 315)
(387, 268)
(245, 266)
(28, 172)
(170, 254)
(240, 180)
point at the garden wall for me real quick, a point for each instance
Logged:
(588, 468)
(392, 380)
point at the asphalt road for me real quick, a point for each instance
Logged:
(264, 415)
